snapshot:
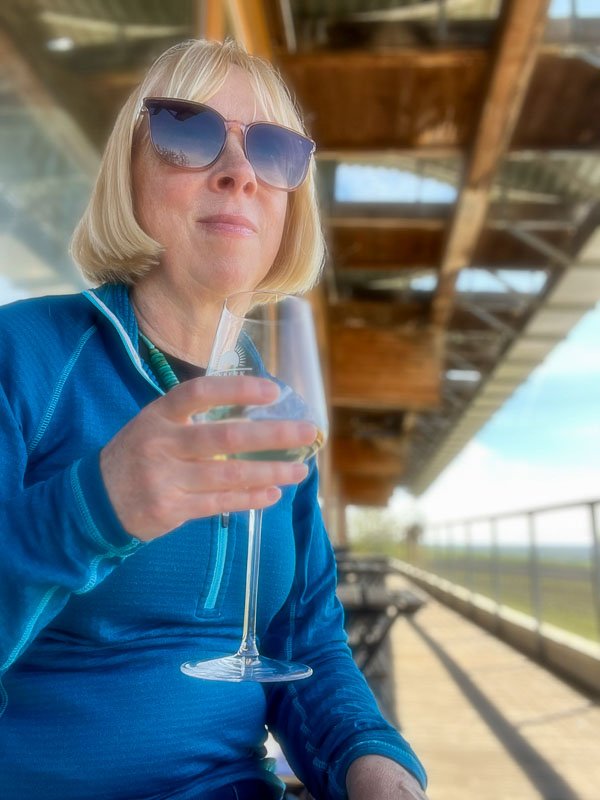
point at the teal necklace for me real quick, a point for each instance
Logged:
(160, 366)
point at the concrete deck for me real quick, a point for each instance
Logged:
(488, 723)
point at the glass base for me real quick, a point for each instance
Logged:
(242, 668)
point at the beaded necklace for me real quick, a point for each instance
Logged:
(160, 366)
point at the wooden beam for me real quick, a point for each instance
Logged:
(382, 369)
(386, 223)
(361, 313)
(521, 33)
(364, 457)
(392, 214)
(371, 248)
(248, 19)
(497, 247)
(381, 425)
(411, 98)
(561, 105)
(409, 57)
(362, 490)
(432, 216)
(385, 157)
(210, 19)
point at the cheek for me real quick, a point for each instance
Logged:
(160, 203)
(277, 217)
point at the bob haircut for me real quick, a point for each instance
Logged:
(108, 243)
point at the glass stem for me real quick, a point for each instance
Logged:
(248, 648)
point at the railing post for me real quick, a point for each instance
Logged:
(534, 574)
(448, 556)
(496, 589)
(595, 571)
(468, 557)
(427, 547)
(437, 556)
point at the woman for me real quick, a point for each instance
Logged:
(123, 551)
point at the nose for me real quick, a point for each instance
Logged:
(233, 172)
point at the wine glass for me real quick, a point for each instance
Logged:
(270, 335)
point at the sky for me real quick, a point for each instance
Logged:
(371, 184)
(542, 447)
(585, 8)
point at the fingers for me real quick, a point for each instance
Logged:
(200, 394)
(168, 510)
(160, 470)
(206, 440)
(231, 476)
(230, 502)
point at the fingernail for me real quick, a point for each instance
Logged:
(269, 389)
(273, 494)
(300, 471)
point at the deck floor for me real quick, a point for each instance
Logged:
(487, 722)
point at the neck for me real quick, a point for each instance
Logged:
(178, 319)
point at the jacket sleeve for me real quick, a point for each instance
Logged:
(56, 537)
(324, 722)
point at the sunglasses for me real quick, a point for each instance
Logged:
(192, 136)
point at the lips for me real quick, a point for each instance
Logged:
(236, 223)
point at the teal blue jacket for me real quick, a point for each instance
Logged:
(94, 624)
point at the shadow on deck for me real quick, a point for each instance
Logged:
(488, 722)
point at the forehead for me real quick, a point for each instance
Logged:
(237, 99)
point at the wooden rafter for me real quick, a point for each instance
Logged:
(362, 490)
(248, 19)
(384, 369)
(521, 32)
(359, 101)
(363, 457)
(210, 19)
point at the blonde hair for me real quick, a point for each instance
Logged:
(108, 243)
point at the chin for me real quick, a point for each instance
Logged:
(231, 278)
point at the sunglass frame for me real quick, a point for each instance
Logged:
(165, 101)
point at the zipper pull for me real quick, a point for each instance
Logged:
(225, 519)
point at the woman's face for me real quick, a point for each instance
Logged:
(221, 228)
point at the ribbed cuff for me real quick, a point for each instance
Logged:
(380, 747)
(101, 519)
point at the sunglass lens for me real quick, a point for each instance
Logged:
(279, 156)
(185, 136)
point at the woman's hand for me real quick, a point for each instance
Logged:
(374, 776)
(160, 470)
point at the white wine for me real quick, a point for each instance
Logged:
(288, 406)
(292, 454)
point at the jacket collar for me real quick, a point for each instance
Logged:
(112, 300)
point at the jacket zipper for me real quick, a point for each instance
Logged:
(219, 568)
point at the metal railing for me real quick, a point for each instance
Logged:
(544, 562)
